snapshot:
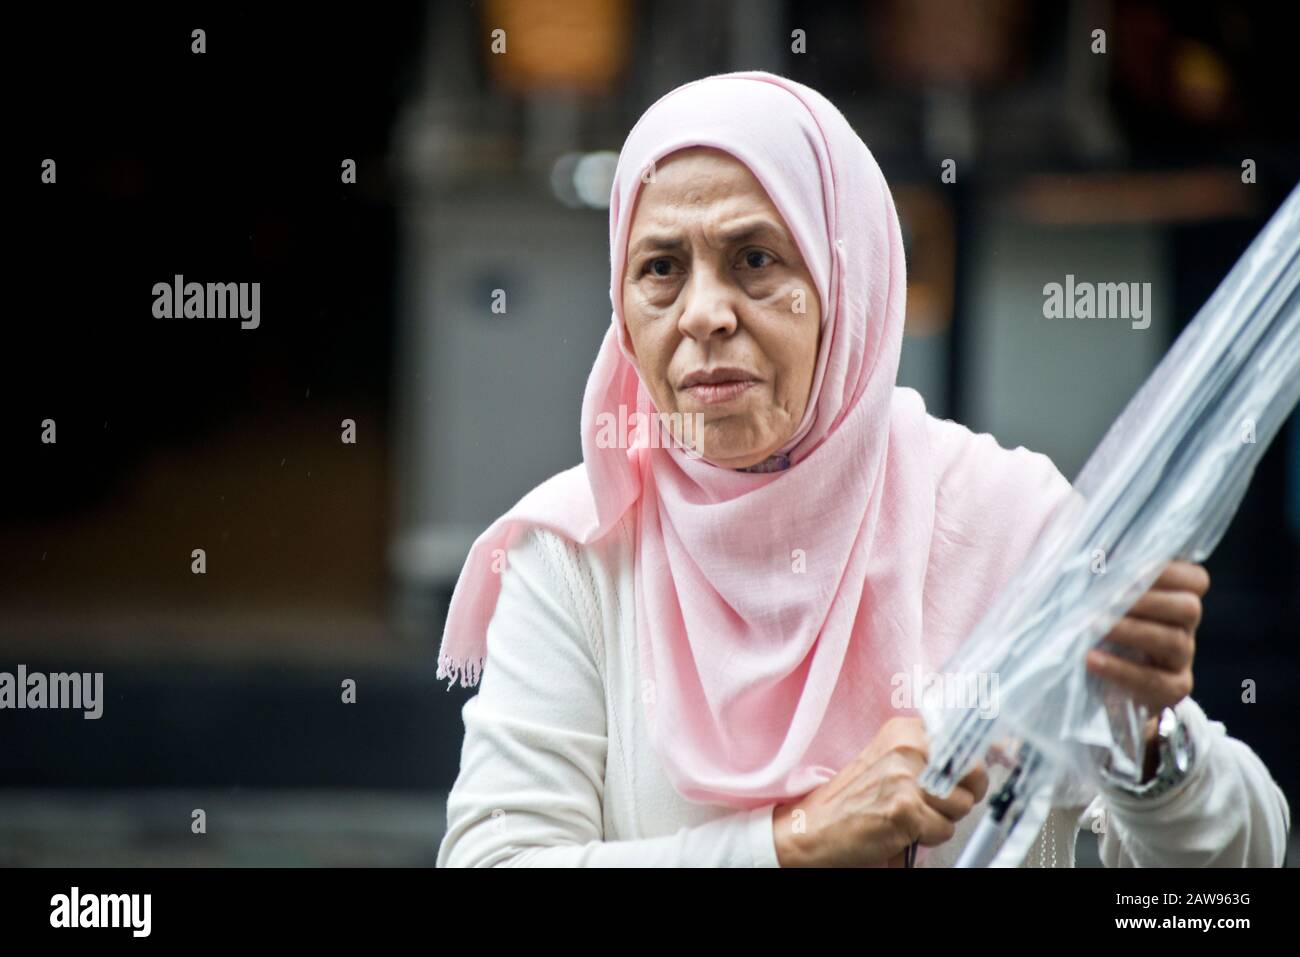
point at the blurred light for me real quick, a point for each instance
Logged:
(594, 178)
(558, 45)
(1202, 84)
(584, 179)
(562, 180)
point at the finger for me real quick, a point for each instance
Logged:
(1181, 609)
(1150, 686)
(1165, 646)
(976, 782)
(1181, 575)
(955, 806)
(936, 827)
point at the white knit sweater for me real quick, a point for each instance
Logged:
(557, 768)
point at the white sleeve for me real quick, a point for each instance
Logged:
(532, 771)
(1227, 812)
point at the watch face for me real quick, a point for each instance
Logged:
(1180, 760)
(1175, 755)
(1168, 722)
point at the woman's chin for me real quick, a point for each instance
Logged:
(732, 456)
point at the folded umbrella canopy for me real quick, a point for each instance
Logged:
(1164, 483)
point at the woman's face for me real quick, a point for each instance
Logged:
(715, 289)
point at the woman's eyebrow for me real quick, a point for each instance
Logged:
(731, 236)
(659, 241)
(751, 230)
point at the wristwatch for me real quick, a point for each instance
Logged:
(1177, 752)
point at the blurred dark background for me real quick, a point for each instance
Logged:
(329, 560)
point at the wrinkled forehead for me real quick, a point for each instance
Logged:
(762, 126)
(697, 179)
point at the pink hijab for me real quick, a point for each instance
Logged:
(776, 610)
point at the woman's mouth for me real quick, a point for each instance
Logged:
(712, 393)
(714, 386)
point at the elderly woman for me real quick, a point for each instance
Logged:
(688, 642)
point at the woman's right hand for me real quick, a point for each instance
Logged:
(872, 811)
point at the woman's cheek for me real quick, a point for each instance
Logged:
(655, 346)
(654, 302)
(781, 294)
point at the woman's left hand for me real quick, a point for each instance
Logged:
(1161, 626)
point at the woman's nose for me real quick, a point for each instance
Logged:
(709, 309)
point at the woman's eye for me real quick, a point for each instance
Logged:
(660, 267)
(756, 259)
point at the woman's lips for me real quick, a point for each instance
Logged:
(713, 393)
